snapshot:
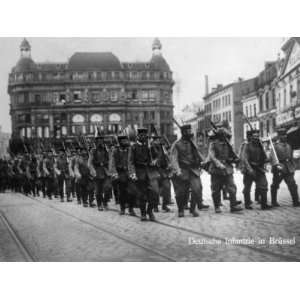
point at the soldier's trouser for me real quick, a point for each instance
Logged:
(125, 198)
(103, 190)
(148, 191)
(116, 190)
(73, 187)
(182, 191)
(261, 187)
(217, 184)
(50, 186)
(165, 190)
(64, 181)
(290, 182)
(77, 190)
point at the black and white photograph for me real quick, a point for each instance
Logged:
(150, 149)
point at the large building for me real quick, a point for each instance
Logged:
(288, 90)
(67, 99)
(224, 103)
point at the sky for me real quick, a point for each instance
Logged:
(224, 60)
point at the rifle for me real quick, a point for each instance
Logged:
(235, 156)
(164, 150)
(274, 151)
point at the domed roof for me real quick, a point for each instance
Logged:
(94, 61)
(160, 63)
(25, 64)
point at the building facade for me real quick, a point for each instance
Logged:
(266, 86)
(288, 90)
(67, 99)
(250, 104)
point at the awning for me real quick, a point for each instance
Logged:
(293, 129)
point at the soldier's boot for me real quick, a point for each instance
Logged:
(132, 212)
(295, 195)
(274, 197)
(264, 200)
(257, 196)
(217, 203)
(165, 208)
(143, 212)
(150, 213)
(234, 204)
(247, 200)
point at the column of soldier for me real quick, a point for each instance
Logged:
(139, 173)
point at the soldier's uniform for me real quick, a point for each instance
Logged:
(164, 169)
(285, 170)
(253, 159)
(221, 158)
(186, 163)
(100, 162)
(119, 171)
(49, 173)
(63, 179)
(142, 166)
(33, 175)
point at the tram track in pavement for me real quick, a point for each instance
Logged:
(172, 226)
(27, 255)
(107, 231)
(211, 236)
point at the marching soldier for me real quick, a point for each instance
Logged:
(63, 178)
(221, 157)
(253, 158)
(186, 162)
(142, 167)
(85, 180)
(283, 168)
(100, 162)
(49, 173)
(119, 171)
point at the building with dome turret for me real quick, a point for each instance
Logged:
(66, 99)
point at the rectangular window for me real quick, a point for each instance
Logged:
(77, 96)
(298, 90)
(268, 126)
(250, 112)
(247, 114)
(229, 116)
(273, 98)
(254, 110)
(267, 100)
(261, 108)
(152, 115)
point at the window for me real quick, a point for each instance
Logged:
(229, 116)
(229, 100)
(274, 124)
(95, 97)
(284, 98)
(37, 99)
(145, 115)
(261, 108)
(152, 115)
(298, 90)
(40, 131)
(247, 111)
(152, 94)
(254, 109)
(267, 100)
(268, 126)
(77, 96)
(250, 113)
(273, 98)
(113, 95)
(62, 98)
(145, 94)
(46, 132)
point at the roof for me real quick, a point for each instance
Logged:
(25, 64)
(25, 44)
(94, 60)
(159, 63)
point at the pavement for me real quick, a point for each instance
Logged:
(42, 230)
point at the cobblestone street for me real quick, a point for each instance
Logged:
(41, 230)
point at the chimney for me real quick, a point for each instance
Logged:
(206, 85)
